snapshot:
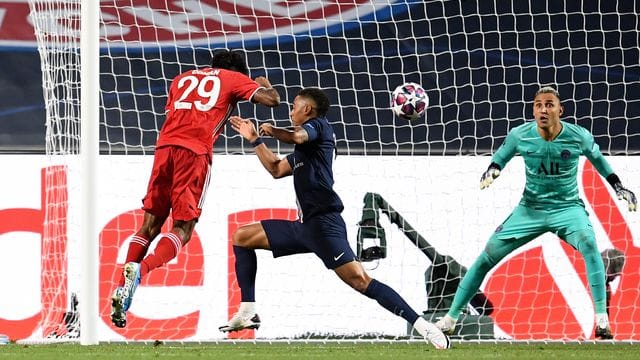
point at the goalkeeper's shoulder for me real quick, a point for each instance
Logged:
(522, 130)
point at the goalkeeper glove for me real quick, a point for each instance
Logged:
(487, 178)
(628, 195)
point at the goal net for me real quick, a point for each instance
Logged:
(480, 63)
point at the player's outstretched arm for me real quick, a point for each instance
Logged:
(295, 135)
(492, 172)
(270, 161)
(622, 192)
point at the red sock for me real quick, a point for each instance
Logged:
(137, 250)
(168, 247)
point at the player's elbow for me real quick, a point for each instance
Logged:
(273, 170)
(273, 101)
(280, 169)
(278, 174)
(267, 97)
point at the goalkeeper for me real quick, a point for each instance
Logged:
(551, 150)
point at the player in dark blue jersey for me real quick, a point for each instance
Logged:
(320, 228)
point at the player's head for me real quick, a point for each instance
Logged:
(230, 60)
(547, 108)
(308, 104)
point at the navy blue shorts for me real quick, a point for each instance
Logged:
(324, 235)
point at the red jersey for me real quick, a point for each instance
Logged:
(199, 104)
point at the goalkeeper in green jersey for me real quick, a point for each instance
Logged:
(551, 150)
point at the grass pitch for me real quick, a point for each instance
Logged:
(329, 350)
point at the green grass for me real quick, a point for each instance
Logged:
(331, 351)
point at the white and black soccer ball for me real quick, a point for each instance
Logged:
(409, 101)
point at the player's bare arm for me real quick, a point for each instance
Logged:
(296, 135)
(270, 161)
(267, 95)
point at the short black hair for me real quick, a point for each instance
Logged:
(319, 97)
(230, 60)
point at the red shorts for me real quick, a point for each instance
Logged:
(178, 183)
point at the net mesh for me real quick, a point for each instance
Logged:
(480, 63)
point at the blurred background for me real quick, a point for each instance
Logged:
(480, 62)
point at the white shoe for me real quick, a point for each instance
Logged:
(240, 321)
(447, 324)
(432, 334)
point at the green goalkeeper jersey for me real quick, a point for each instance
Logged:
(551, 166)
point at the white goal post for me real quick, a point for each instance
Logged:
(89, 153)
(106, 67)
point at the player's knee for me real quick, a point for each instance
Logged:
(241, 237)
(486, 261)
(585, 242)
(359, 281)
(149, 231)
(588, 245)
(237, 237)
(151, 226)
(495, 250)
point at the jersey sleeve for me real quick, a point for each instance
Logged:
(507, 150)
(591, 150)
(312, 128)
(290, 160)
(243, 86)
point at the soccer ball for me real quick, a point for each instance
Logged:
(409, 101)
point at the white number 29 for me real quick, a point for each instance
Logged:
(193, 83)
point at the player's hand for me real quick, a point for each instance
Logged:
(266, 129)
(628, 195)
(488, 176)
(244, 127)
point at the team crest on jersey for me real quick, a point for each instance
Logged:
(143, 23)
(565, 154)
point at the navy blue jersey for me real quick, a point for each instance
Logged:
(312, 170)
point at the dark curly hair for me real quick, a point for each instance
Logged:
(230, 60)
(319, 97)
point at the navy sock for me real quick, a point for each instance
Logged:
(390, 300)
(246, 268)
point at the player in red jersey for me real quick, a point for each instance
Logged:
(198, 106)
